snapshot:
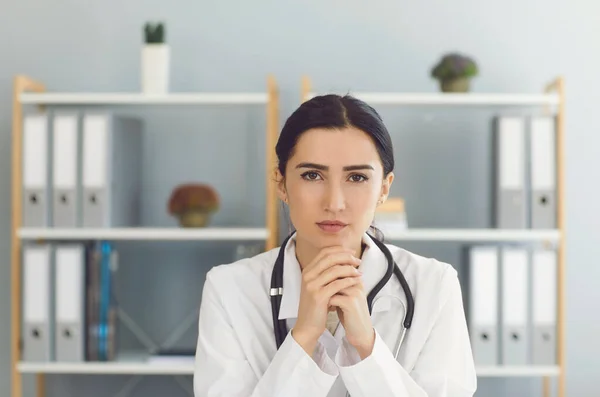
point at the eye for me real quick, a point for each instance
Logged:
(358, 178)
(310, 175)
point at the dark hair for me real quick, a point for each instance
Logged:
(335, 111)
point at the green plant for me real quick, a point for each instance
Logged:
(154, 33)
(454, 65)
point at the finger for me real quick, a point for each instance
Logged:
(340, 301)
(340, 258)
(353, 292)
(336, 286)
(336, 272)
(324, 253)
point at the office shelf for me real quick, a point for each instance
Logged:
(127, 364)
(393, 98)
(205, 98)
(494, 235)
(28, 91)
(118, 368)
(138, 365)
(517, 371)
(209, 233)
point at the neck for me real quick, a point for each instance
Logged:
(306, 252)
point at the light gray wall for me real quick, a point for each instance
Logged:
(387, 45)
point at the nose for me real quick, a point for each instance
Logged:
(335, 200)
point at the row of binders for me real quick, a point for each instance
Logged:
(69, 310)
(525, 164)
(512, 304)
(81, 169)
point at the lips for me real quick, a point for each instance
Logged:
(332, 226)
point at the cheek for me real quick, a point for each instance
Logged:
(307, 196)
(364, 197)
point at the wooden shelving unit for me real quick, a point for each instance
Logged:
(30, 92)
(552, 97)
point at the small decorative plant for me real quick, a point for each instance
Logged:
(193, 204)
(156, 59)
(454, 72)
(154, 33)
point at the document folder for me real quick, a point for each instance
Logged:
(515, 305)
(482, 274)
(543, 172)
(36, 171)
(112, 148)
(66, 170)
(545, 299)
(510, 173)
(70, 302)
(38, 316)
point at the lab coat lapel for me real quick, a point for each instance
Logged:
(292, 282)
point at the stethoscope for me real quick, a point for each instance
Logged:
(280, 326)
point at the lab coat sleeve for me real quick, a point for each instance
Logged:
(222, 368)
(445, 366)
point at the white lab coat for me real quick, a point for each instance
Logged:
(237, 354)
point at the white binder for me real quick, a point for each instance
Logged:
(66, 170)
(515, 305)
(510, 173)
(36, 171)
(543, 172)
(544, 305)
(483, 303)
(70, 302)
(112, 155)
(38, 316)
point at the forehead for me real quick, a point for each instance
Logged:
(344, 146)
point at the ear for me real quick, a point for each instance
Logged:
(385, 188)
(280, 185)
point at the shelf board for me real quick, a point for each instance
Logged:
(141, 233)
(517, 371)
(214, 233)
(395, 98)
(142, 367)
(131, 366)
(500, 235)
(133, 98)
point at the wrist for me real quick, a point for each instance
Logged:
(307, 341)
(364, 347)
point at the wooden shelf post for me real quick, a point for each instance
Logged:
(21, 84)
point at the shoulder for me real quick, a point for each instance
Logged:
(425, 275)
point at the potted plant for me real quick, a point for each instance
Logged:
(155, 59)
(193, 204)
(454, 72)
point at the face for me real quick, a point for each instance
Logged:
(333, 184)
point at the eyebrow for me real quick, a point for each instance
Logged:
(346, 168)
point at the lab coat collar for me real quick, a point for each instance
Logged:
(373, 267)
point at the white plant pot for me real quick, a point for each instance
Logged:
(155, 68)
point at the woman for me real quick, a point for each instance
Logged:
(335, 166)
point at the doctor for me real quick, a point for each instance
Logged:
(324, 314)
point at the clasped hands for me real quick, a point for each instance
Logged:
(332, 281)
